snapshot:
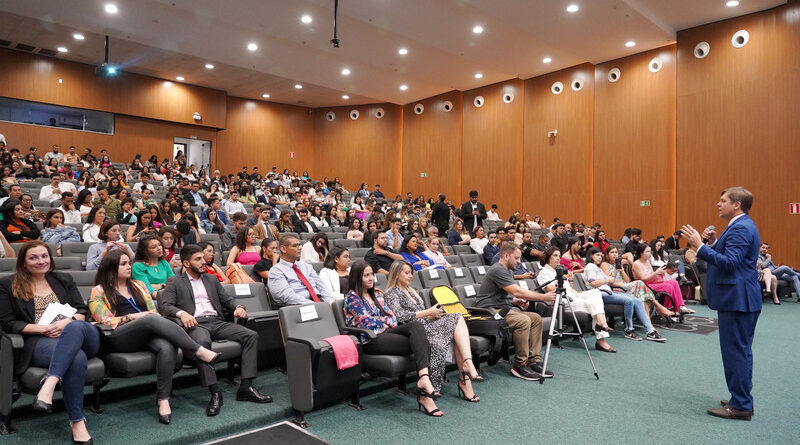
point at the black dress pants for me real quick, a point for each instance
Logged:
(209, 329)
(405, 339)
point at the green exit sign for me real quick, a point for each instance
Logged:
(644, 203)
(423, 175)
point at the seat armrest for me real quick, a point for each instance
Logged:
(17, 342)
(262, 315)
(103, 329)
(480, 311)
(313, 344)
(355, 331)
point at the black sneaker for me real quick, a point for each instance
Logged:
(537, 368)
(632, 335)
(525, 373)
(655, 336)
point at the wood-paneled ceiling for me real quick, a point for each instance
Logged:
(169, 38)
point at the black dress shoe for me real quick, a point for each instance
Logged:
(214, 405)
(38, 405)
(88, 442)
(165, 418)
(727, 412)
(252, 395)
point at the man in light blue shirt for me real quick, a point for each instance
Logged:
(394, 236)
(292, 281)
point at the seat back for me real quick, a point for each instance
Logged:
(459, 275)
(462, 249)
(321, 324)
(8, 264)
(454, 260)
(252, 296)
(467, 293)
(471, 260)
(433, 277)
(68, 263)
(346, 243)
(75, 249)
(580, 283)
(478, 272)
(83, 277)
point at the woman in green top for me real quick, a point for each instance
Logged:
(150, 267)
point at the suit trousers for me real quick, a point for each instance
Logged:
(209, 329)
(736, 331)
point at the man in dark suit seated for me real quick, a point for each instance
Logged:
(303, 225)
(201, 304)
(673, 242)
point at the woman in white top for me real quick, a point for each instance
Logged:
(317, 218)
(91, 230)
(316, 249)
(336, 271)
(590, 301)
(434, 252)
(355, 231)
(357, 205)
(479, 240)
(84, 202)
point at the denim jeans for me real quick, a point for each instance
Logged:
(631, 305)
(66, 358)
(786, 273)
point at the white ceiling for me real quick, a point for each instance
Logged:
(167, 38)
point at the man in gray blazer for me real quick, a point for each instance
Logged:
(201, 304)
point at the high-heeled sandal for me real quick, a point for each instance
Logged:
(478, 377)
(423, 393)
(463, 393)
(422, 408)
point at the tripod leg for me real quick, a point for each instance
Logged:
(580, 335)
(550, 335)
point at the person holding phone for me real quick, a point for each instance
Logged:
(144, 226)
(443, 330)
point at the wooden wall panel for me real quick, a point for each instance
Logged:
(132, 136)
(491, 159)
(557, 171)
(367, 149)
(264, 134)
(634, 145)
(737, 123)
(32, 77)
(432, 145)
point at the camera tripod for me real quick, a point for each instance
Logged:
(558, 314)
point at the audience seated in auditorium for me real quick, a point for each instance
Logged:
(673, 242)
(246, 252)
(558, 237)
(492, 247)
(458, 234)
(437, 251)
(316, 249)
(445, 332)
(590, 301)
(229, 237)
(262, 227)
(782, 272)
(15, 226)
(635, 236)
(412, 251)
(637, 288)
(169, 242)
(365, 308)
(394, 235)
(303, 225)
(108, 202)
(655, 279)
(201, 304)
(62, 346)
(335, 271)
(500, 293)
(125, 306)
(55, 232)
(53, 191)
(530, 251)
(292, 281)
(571, 258)
(380, 257)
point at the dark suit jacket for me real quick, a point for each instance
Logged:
(440, 215)
(732, 274)
(179, 296)
(15, 313)
(466, 214)
(671, 243)
(300, 227)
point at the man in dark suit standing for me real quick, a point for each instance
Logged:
(201, 304)
(440, 215)
(734, 292)
(472, 212)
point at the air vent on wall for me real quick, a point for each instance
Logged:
(46, 52)
(24, 47)
(5, 43)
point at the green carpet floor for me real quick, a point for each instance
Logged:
(647, 393)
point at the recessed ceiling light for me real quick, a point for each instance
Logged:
(732, 3)
(78, 36)
(209, 66)
(179, 78)
(306, 19)
(478, 76)
(402, 51)
(265, 96)
(547, 60)
(573, 8)
(61, 49)
(346, 72)
(111, 8)
(297, 86)
(477, 29)
(345, 97)
(630, 43)
(252, 46)
(403, 87)
(60, 80)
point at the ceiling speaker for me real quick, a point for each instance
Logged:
(478, 101)
(740, 39)
(419, 108)
(655, 65)
(354, 114)
(702, 49)
(379, 113)
(614, 75)
(577, 85)
(557, 88)
(330, 115)
(508, 98)
(447, 106)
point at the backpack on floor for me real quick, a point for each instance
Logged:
(482, 325)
